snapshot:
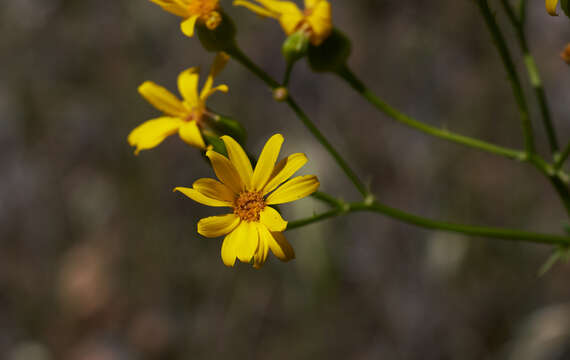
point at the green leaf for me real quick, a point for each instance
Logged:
(562, 254)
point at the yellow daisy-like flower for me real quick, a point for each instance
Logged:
(254, 227)
(315, 20)
(551, 7)
(193, 11)
(182, 117)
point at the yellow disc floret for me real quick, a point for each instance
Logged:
(248, 205)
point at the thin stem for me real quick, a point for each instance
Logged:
(347, 75)
(328, 199)
(509, 65)
(288, 71)
(243, 59)
(490, 232)
(557, 178)
(240, 57)
(327, 145)
(532, 71)
(562, 158)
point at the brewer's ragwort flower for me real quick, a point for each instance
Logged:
(205, 12)
(182, 117)
(253, 228)
(315, 20)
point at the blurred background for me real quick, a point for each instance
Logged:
(99, 260)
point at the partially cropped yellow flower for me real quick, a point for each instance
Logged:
(315, 20)
(253, 228)
(183, 117)
(551, 7)
(203, 11)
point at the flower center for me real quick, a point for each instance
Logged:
(248, 205)
(203, 8)
(195, 115)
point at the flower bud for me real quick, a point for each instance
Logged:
(331, 55)
(220, 37)
(295, 46)
(214, 142)
(223, 125)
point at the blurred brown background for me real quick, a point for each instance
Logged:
(99, 260)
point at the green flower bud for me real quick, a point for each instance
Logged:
(213, 140)
(223, 125)
(295, 46)
(331, 55)
(221, 38)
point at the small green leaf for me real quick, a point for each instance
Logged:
(549, 264)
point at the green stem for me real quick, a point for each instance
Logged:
(562, 158)
(490, 232)
(347, 75)
(328, 146)
(509, 65)
(288, 71)
(532, 71)
(329, 199)
(240, 57)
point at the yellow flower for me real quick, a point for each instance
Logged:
(184, 117)
(551, 7)
(253, 228)
(204, 11)
(315, 20)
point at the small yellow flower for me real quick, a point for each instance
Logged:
(184, 117)
(551, 7)
(204, 11)
(253, 228)
(315, 20)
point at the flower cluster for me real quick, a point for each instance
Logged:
(253, 227)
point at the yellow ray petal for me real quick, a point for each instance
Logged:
(239, 159)
(217, 66)
(551, 7)
(284, 170)
(214, 189)
(215, 226)
(290, 21)
(225, 171)
(256, 9)
(201, 198)
(172, 7)
(266, 162)
(162, 99)
(272, 219)
(188, 86)
(279, 245)
(188, 25)
(229, 249)
(152, 132)
(221, 88)
(190, 133)
(309, 4)
(247, 239)
(294, 189)
(320, 21)
(263, 248)
(280, 7)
